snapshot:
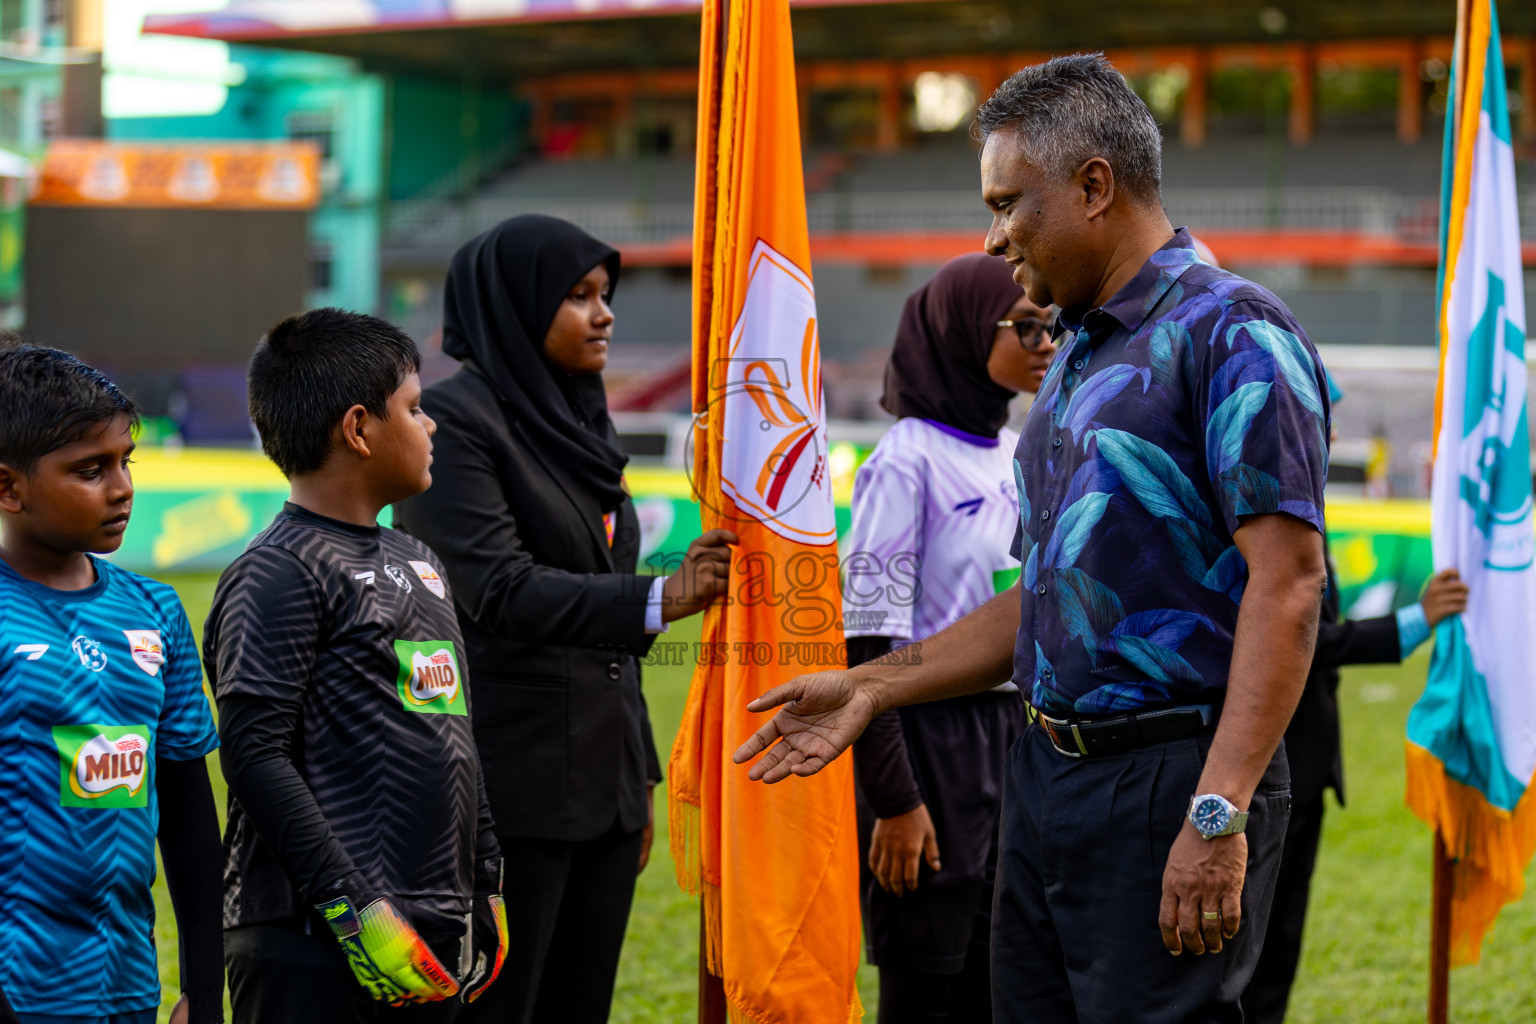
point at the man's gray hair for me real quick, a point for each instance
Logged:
(1071, 109)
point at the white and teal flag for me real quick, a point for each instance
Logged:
(1472, 735)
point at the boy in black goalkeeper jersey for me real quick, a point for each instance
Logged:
(362, 876)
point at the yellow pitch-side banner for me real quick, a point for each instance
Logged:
(776, 866)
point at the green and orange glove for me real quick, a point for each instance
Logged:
(488, 931)
(387, 956)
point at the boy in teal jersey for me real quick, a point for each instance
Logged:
(105, 723)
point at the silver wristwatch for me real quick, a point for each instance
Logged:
(1214, 815)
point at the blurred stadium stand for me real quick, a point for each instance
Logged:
(1303, 144)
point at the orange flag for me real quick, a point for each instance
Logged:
(776, 866)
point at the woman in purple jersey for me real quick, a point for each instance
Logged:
(934, 512)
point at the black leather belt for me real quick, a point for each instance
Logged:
(1092, 737)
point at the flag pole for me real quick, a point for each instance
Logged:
(1440, 892)
(712, 1005)
(712, 1008)
(1440, 936)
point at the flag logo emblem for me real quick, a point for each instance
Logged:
(773, 463)
(1495, 452)
(144, 645)
(429, 578)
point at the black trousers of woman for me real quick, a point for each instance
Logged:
(567, 907)
(933, 946)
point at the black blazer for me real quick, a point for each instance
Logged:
(1312, 739)
(553, 621)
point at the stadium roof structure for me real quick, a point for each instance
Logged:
(515, 38)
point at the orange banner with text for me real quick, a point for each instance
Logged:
(233, 176)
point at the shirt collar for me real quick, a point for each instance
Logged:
(355, 529)
(47, 593)
(1136, 300)
(956, 432)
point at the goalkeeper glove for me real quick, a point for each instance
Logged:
(485, 947)
(388, 958)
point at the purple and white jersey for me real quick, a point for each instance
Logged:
(934, 514)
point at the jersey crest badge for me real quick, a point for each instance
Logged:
(89, 652)
(429, 578)
(144, 645)
(398, 576)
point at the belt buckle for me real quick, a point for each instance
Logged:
(1054, 724)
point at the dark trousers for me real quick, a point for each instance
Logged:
(1085, 841)
(567, 907)
(910, 996)
(278, 974)
(958, 752)
(914, 993)
(1270, 990)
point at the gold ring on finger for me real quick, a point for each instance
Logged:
(1212, 915)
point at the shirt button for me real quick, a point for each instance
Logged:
(1077, 365)
(1040, 590)
(1046, 673)
(613, 671)
(1056, 443)
(1045, 514)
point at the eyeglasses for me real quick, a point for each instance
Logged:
(1032, 333)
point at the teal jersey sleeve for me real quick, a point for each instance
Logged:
(186, 728)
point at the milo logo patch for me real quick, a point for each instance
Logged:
(430, 680)
(103, 765)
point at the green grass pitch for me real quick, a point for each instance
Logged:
(1366, 951)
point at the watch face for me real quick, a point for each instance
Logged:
(1210, 815)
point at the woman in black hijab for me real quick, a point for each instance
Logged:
(531, 517)
(934, 512)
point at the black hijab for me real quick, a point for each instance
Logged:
(504, 288)
(938, 367)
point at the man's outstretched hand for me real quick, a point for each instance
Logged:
(822, 714)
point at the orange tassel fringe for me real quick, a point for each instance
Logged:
(1490, 847)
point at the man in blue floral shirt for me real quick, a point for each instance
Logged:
(1188, 401)
(1170, 501)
